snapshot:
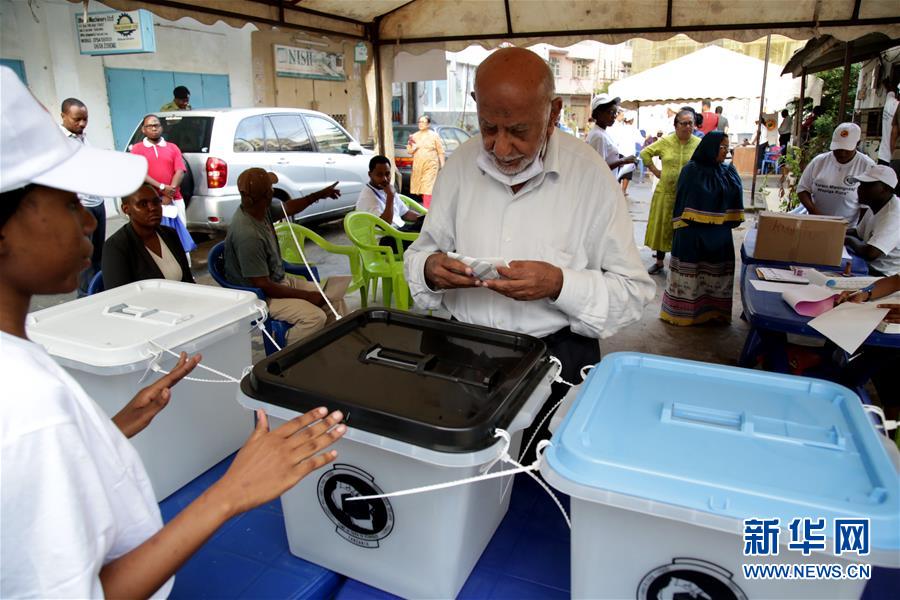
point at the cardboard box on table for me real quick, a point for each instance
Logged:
(811, 239)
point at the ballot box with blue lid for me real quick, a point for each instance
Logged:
(677, 468)
(109, 342)
(423, 399)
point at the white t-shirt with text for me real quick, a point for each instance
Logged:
(828, 182)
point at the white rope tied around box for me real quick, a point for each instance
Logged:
(154, 366)
(337, 315)
(504, 457)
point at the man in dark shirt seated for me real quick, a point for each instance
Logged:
(253, 259)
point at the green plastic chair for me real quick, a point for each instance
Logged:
(290, 254)
(380, 262)
(412, 204)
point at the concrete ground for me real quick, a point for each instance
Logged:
(715, 344)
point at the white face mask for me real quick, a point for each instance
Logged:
(486, 163)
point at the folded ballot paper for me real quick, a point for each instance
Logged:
(484, 268)
(810, 300)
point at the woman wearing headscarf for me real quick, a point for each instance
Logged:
(427, 151)
(709, 203)
(674, 150)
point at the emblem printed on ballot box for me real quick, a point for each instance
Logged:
(689, 578)
(363, 523)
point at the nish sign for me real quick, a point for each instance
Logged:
(307, 63)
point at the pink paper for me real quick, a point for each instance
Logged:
(814, 309)
(810, 300)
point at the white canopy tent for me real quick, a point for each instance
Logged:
(714, 73)
(717, 74)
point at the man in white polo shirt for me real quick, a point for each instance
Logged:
(877, 237)
(74, 115)
(826, 186)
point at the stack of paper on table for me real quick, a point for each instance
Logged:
(885, 327)
(780, 275)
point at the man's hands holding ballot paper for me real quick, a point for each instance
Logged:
(519, 279)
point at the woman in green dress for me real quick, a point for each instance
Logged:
(675, 150)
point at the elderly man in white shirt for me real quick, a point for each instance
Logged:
(546, 203)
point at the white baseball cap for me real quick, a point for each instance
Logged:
(845, 137)
(33, 149)
(882, 173)
(601, 99)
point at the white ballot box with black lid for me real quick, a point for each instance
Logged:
(423, 399)
(109, 341)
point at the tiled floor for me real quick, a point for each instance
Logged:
(528, 557)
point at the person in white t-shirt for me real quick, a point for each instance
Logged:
(379, 198)
(79, 518)
(826, 186)
(877, 237)
(604, 109)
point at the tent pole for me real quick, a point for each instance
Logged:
(379, 92)
(762, 99)
(845, 83)
(638, 111)
(798, 114)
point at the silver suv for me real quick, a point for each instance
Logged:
(308, 150)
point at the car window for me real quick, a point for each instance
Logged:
(190, 134)
(449, 139)
(272, 144)
(461, 135)
(250, 135)
(292, 135)
(329, 137)
(401, 135)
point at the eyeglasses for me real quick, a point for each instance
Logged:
(152, 126)
(685, 123)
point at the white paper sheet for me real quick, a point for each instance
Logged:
(775, 286)
(849, 324)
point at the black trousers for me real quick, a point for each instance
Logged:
(574, 351)
(413, 226)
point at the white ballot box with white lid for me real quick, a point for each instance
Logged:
(696, 480)
(109, 341)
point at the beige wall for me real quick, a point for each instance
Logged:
(343, 100)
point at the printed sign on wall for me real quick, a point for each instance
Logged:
(307, 63)
(115, 32)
